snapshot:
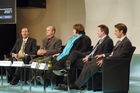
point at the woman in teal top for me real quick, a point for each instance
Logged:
(79, 42)
(76, 42)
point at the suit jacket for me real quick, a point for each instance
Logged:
(53, 47)
(83, 44)
(123, 50)
(105, 47)
(30, 46)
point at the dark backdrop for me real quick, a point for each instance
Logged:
(7, 38)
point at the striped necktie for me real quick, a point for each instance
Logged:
(117, 44)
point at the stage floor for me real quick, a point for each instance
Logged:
(7, 88)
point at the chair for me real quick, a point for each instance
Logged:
(34, 56)
(95, 82)
(26, 70)
(115, 74)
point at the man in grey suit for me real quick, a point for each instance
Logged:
(51, 45)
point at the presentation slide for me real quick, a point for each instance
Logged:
(7, 11)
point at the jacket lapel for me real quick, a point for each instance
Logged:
(101, 43)
(20, 44)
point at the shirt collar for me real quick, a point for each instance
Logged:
(103, 36)
(121, 39)
(50, 38)
(25, 39)
(102, 39)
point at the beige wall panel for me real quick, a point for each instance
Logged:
(60, 13)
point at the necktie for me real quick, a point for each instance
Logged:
(22, 48)
(117, 44)
(93, 51)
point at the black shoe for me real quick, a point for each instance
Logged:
(28, 82)
(9, 79)
(60, 72)
(73, 86)
(62, 87)
(13, 82)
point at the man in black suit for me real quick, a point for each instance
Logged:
(24, 47)
(78, 58)
(121, 50)
(22, 50)
(104, 45)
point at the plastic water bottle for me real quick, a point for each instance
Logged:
(39, 62)
(49, 65)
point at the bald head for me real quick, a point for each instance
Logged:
(50, 31)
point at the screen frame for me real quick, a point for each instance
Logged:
(14, 19)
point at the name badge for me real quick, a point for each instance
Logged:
(5, 63)
(18, 63)
(43, 66)
(34, 65)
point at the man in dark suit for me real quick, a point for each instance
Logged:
(50, 45)
(24, 47)
(104, 45)
(22, 50)
(121, 50)
(77, 59)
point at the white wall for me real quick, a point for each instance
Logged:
(111, 12)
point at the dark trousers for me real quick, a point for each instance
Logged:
(88, 70)
(61, 64)
(56, 65)
(76, 65)
(14, 73)
(75, 56)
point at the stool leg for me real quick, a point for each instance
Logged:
(21, 84)
(30, 79)
(45, 84)
(51, 84)
(35, 78)
(1, 76)
(68, 85)
(24, 75)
